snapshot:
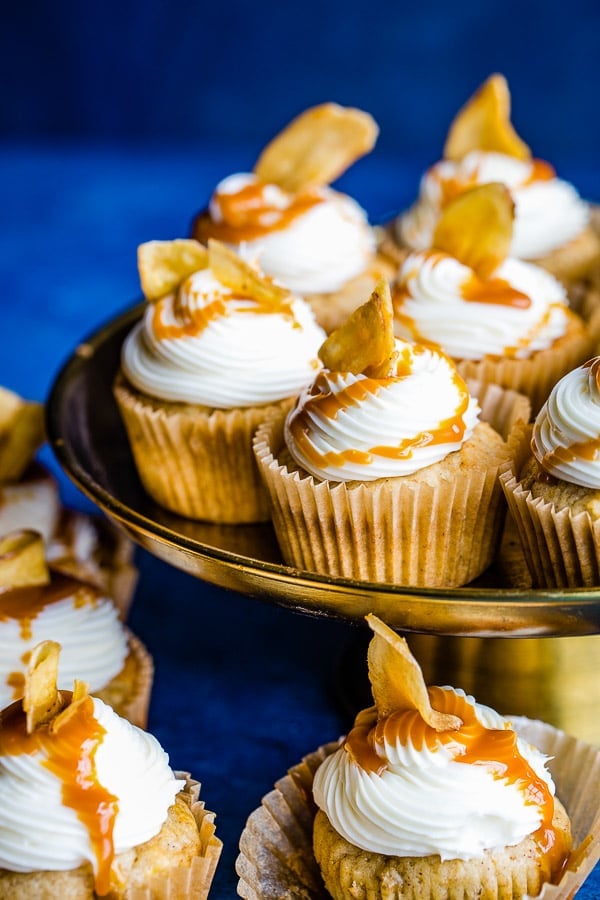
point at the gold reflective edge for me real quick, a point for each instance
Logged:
(88, 440)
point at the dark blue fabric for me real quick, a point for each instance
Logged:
(243, 689)
(184, 69)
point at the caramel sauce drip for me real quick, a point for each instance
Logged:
(452, 187)
(540, 171)
(191, 322)
(473, 744)
(247, 215)
(588, 450)
(70, 755)
(26, 603)
(494, 291)
(329, 405)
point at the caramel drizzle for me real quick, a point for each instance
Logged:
(25, 604)
(453, 186)
(588, 450)
(247, 215)
(494, 292)
(473, 744)
(70, 752)
(191, 322)
(329, 405)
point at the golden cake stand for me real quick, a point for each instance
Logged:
(546, 670)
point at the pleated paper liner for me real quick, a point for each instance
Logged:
(398, 530)
(561, 550)
(276, 860)
(196, 461)
(189, 882)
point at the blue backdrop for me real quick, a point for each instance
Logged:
(117, 118)
(184, 70)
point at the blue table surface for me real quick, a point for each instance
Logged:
(242, 689)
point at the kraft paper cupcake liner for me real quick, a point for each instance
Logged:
(576, 260)
(394, 530)
(276, 859)
(128, 693)
(536, 376)
(194, 461)
(561, 550)
(190, 882)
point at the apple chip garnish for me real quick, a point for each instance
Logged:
(163, 265)
(397, 681)
(477, 227)
(365, 342)
(484, 124)
(241, 278)
(316, 147)
(22, 560)
(42, 699)
(80, 694)
(21, 434)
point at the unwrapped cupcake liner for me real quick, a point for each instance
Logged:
(195, 461)
(189, 882)
(128, 693)
(276, 860)
(561, 550)
(536, 376)
(394, 530)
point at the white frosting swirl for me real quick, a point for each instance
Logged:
(206, 346)
(566, 432)
(317, 251)
(88, 628)
(430, 304)
(38, 832)
(548, 211)
(348, 427)
(425, 801)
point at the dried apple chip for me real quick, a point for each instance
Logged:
(163, 265)
(23, 560)
(484, 124)
(365, 342)
(21, 434)
(476, 228)
(316, 147)
(397, 681)
(42, 699)
(240, 277)
(80, 694)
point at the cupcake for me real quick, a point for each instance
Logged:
(554, 492)
(219, 348)
(501, 319)
(117, 821)
(306, 235)
(432, 794)
(87, 547)
(552, 222)
(38, 603)
(386, 468)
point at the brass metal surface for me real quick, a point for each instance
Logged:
(89, 441)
